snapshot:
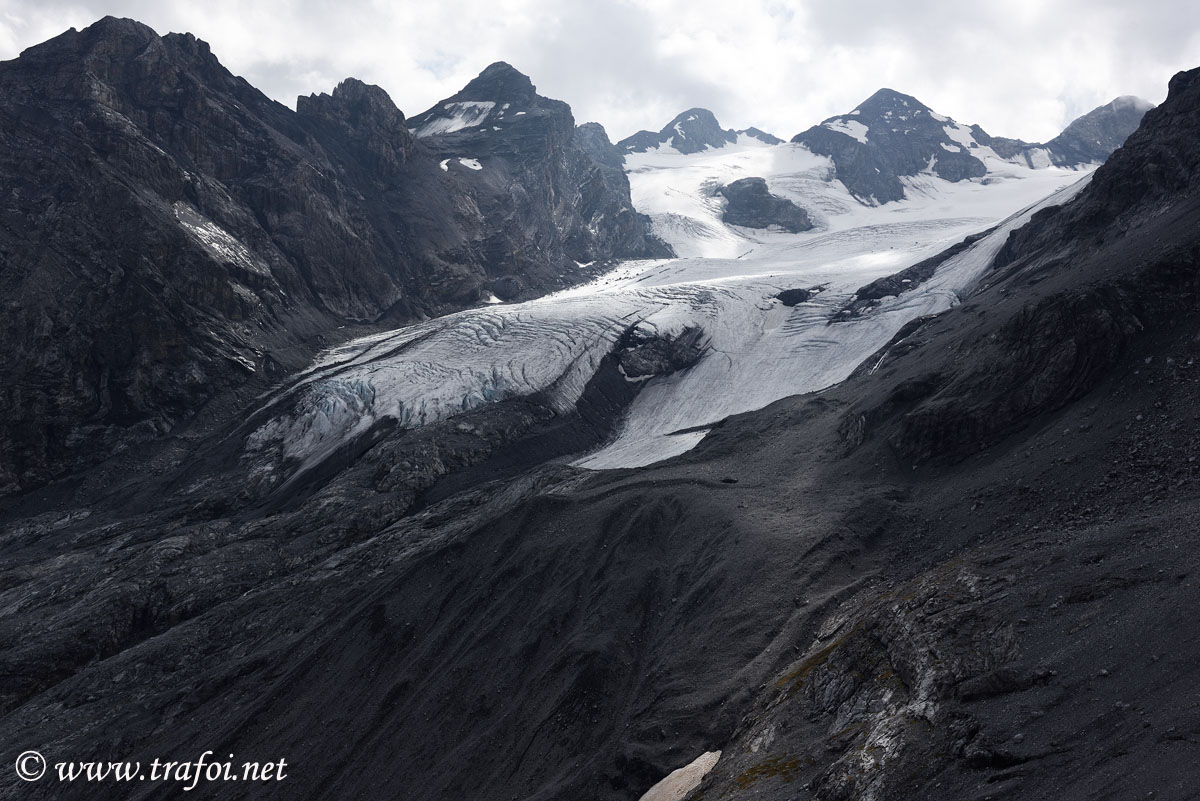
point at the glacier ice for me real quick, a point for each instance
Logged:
(724, 281)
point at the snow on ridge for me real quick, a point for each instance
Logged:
(960, 134)
(461, 114)
(852, 128)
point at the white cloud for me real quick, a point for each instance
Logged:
(1020, 68)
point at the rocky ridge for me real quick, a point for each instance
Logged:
(692, 131)
(892, 135)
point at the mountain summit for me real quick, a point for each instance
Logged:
(693, 131)
(889, 135)
(892, 135)
(1093, 137)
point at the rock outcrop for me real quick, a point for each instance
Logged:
(750, 204)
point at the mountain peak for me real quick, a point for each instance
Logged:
(499, 82)
(700, 115)
(1139, 104)
(1094, 136)
(691, 131)
(122, 36)
(119, 26)
(357, 104)
(354, 92)
(890, 135)
(885, 100)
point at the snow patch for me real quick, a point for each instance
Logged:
(851, 128)
(960, 133)
(678, 783)
(459, 115)
(219, 243)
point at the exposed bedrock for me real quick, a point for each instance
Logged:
(750, 204)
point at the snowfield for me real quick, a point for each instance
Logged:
(724, 281)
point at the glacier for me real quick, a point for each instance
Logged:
(724, 281)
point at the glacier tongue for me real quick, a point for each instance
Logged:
(760, 349)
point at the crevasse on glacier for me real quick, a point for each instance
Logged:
(725, 282)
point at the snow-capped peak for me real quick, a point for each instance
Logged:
(693, 131)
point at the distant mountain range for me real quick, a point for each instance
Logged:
(893, 135)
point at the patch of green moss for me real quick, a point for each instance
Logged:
(781, 767)
(797, 676)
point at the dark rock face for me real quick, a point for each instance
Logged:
(893, 135)
(642, 356)
(595, 142)
(751, 205)
(691, 132)
(170, 234)
(1093, 137)
(888, 136)
(519, 158)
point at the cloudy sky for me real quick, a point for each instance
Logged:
(1021, 68)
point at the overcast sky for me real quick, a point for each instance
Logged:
(1020, 68)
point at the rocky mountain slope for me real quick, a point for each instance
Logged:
(169, 234)
(1095, 135)
(966, 572)
(893, 135)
